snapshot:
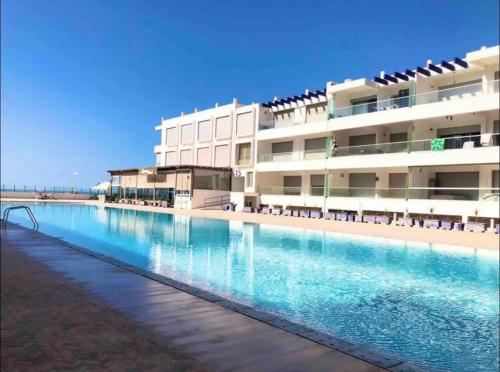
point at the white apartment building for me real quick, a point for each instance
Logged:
(420, 141)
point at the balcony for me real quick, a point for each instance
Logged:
(419, 193)
(433, 145)
(272, 124)
(467, 91)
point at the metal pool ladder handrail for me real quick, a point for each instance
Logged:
(28, 210)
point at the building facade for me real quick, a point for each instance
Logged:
(423, 141)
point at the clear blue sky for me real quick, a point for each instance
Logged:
(85, 82)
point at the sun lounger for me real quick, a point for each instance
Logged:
(287, 212)
(497, 229)
(369, 218)
(358, 218)
(458, 226)
(406, 222)
(383, 220)
(248, 209)
(304, 213)
(276, 211)
(341, 217)
(350, 218)
(446, 225)
(475, 226)
(296, 213)
(265, 210)
(329, 216)
(315, 214)
(434, 224)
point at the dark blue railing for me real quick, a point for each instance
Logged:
(51, 189)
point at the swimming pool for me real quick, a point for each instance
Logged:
(437, 308)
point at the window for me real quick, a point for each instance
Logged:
(397, 185)
(187, 134)
(207, 179)
(399, 142)
(457, 136)
(116, 180)
(243, 153)
(362, 184)
(495, 180)
(186, 157)
(222, 156)
(282, 147)
(249, 179)
(204, 130)
(244, 124)
(364, 105)
(203, 157)
(364, 144)
(365, 139)
(223, 127)
(315, 144)
(317, 184)
(171, 158)
(292, 185)
(171, 136)
(450, 181)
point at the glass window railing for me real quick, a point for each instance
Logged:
(280, 190)
(429, 193)
(263, 125)
(454, 193)
(448, 94)
(434, 144)
(367, 192)
(277, 156)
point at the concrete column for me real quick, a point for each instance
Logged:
(484, 82)
(306, 184)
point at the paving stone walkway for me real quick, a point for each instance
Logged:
(66, 310)
(49, 323)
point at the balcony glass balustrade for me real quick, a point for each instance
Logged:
(465, 91)
(429, 193)
(449, 143)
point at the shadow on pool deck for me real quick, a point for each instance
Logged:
(62, 308)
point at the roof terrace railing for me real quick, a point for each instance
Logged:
(471, 90)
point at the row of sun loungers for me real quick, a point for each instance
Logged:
(375, 219)
(152, 203)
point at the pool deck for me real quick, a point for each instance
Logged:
(487, 240)
(200, 329)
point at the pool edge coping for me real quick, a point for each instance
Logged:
(358, 351)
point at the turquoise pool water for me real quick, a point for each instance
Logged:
(435, 307)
